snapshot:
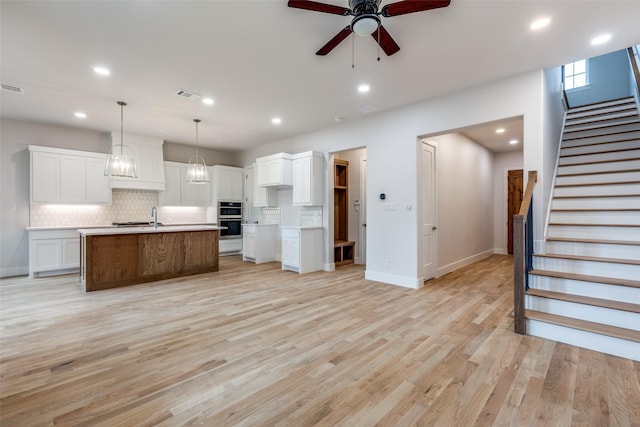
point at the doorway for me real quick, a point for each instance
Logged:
(429, 209)
(349, 205)
(515, 185)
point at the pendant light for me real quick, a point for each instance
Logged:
(197, 170)
(121, 161)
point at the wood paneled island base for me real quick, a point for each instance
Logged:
(126, 258)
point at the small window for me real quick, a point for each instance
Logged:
(575, 74)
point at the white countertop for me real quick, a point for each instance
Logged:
(109, 226)
(139, 230)
(300, 227)
(260, 225)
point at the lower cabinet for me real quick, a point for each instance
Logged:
(230, 246)
(53, 251)
(259, 242)
(302, 249)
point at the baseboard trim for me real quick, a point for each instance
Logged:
(330, 267)
(446, 269)
(14, 271)
(500, 251)
(392, 279)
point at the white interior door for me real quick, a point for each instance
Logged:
(429, 235)
(363, 211)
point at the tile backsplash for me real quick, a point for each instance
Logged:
(126, 205)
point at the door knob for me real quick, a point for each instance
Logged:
(434, 228)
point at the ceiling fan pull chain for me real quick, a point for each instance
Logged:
(353, 51)
(378, 43)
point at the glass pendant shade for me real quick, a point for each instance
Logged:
(365, 25)
(197, 172)
(121, 161)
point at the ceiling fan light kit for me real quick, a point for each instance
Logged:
(366, 19)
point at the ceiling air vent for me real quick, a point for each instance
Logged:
(189, 95)
(10, 88)
(367, 109)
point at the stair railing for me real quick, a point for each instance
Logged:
(523, 253)
(634, 59)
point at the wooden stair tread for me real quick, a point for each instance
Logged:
(621, 121)
(580, 299)
(595, 184)
(590, 258)
(590, 196)
(592, 144)
(584, 325)
(602, 104)
(587, 278)
(595, 210)
(596, 172)
(597, 162)
(340, 243)
(620, 150)
(594, 225)
(603, 241)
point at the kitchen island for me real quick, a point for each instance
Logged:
(114, 257)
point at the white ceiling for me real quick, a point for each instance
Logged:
(256, 60)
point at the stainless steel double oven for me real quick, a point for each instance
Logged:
(230, 216)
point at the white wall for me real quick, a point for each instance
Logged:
(465, 194)
(502, 163)
(392, 160)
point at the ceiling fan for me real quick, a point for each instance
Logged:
(366, 18)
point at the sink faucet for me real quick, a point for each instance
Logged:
(154, 215)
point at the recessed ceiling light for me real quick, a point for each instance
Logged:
(80, 115)
(540, 23)
(102, 71)
(364, 88)
(500, 130)
(207, 101)
(600, 39)
(338, 119)
(513, 142)
(276, 120)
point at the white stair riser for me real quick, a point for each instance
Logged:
(598, 178)
(599, 148)
(595, 232)
(595, 120)
(595, 217)
(627, 119)
(602, 250)
(597, 203)
(602, 343)
(598, 190)
(588, 158)
(589, 268)
(601, 131)
(587, 289)
(590, 313)
(598, 139)
(600, 167)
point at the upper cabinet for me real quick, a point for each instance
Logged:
(308, 179)
(228, 183)
(68, 176)
(180, 193)
(274, 170)
(149, 163)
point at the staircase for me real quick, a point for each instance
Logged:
(585, 290)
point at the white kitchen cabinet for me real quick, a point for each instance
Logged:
(274, 170)
(260, 242)
(178, 192)
(302, 249)
(230, 246)
(308, 179)
(263, 196)
(228, 183)
(250, 212)
(53, 251)
(64, 176)
(149, 163)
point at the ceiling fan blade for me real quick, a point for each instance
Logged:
(319, 7)
(410, 6)
(335, 41)
(386, 42)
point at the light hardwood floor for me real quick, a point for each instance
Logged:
(257, 346)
